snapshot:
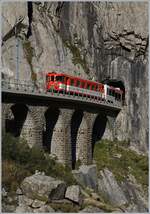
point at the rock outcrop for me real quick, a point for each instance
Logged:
(111, 196)
(86, 176)
(128, 194)
(43, 187)
(109, 188)
(91, 209)
(73, 193)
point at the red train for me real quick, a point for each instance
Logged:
(63, 83)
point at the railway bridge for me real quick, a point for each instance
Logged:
(62, 124)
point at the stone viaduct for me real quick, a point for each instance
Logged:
(66, 126)
(70, 134)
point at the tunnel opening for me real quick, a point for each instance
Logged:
(51, 117)
(14, 126)
(117, 84)
(75, 124)
(98, 129)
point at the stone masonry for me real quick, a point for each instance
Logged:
(33, 127)
(84, 139)
(61, 138)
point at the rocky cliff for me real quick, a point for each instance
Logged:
(95, 40)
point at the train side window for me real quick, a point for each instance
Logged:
(93, 87)
(82, 84)
(72, 82)
(60, 78)
(49, 78)
(96, 88)
(88, 86)
(108, 91)
(113, 93)
(116, 96)
(78, 83)
(52, 78)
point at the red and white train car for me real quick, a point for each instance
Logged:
(63, 83)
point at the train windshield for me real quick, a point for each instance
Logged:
(60, 78)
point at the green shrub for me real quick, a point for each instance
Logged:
(12, 175)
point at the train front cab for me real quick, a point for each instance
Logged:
(55, 83)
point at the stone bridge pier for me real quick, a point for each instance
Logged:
(61, 137)
(84, 138)
(33, 126)
(24, 121)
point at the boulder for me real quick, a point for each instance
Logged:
(19, 191)
(86, 176)
(23, 209)
(44, 209)
(109, 188)
(91, 209)
(73, 193)
(4, 193)
(23, 200)
(6, 208)
(43, 187)
(37, 204)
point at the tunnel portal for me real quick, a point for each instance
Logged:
(117, 84)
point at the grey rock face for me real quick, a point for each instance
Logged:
(109, 188)
(138, 201)
(86, 176)
(128, 192)
(43, 187)
(73, 193)
(91, 209)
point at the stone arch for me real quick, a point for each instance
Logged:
(51, 116)
(16, 118)
(75, 123)
(98, 129)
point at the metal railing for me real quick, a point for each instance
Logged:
(24, 86)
